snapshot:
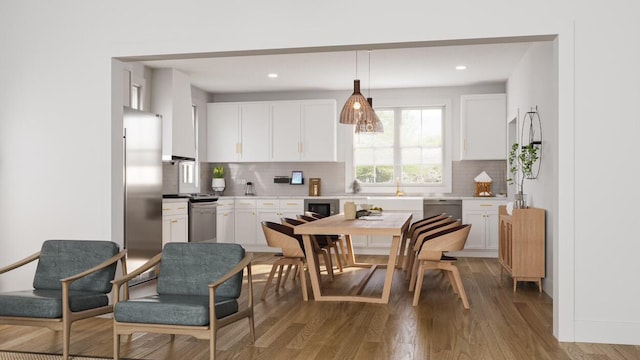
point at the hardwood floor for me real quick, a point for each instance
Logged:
(500, 325)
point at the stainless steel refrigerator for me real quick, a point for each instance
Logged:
(142, 148)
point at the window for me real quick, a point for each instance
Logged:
(413, 150)
(136, 96)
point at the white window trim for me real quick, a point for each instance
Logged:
(447, 185)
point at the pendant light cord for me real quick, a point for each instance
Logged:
(369, 81)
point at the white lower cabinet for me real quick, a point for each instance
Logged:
(175, 221)
(274, 210)
(225, 221)
(245, 221)
(482, 214)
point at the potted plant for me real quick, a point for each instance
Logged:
(217, 183)
(521, 161)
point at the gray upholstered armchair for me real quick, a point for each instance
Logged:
(72, 282)
(197, 293)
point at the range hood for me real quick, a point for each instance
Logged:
(171, 98)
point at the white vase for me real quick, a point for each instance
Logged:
(218, 185)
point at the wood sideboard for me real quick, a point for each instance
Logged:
(521, 244)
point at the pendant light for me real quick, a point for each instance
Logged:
(356, 109)
(371, 122)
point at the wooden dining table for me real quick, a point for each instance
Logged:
(394, 225)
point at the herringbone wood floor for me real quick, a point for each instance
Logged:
(500, 325)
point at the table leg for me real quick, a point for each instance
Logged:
(314, 269)
(393, 253)
(351, 256)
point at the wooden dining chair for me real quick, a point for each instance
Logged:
(421, 238)
(406, 239)
(282, 236)
(432, 256)
(320, 244)
(412, 240)
(314, 214)
(332, 242)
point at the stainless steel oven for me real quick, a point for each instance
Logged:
(322, 206)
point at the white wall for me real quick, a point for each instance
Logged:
(58, 157)
(533, 83)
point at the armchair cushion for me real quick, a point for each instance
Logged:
(63, 258)
(189, 268)
(48, 303)
(170, 309)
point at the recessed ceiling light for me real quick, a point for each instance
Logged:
(461, 67)
(272, 75)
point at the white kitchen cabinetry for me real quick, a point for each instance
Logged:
(171, 98)
(238, 132)
(483, 127)
(304, 130)
(225, 221)
(272, 131)
(483, 216)
(175, 220)
(245, 221)
(273, 210)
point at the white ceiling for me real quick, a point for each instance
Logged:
(335, 70)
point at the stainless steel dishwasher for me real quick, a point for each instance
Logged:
(202, 219)
(452, 207)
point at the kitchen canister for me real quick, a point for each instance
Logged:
(350, 210)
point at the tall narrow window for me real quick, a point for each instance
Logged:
(136, 91)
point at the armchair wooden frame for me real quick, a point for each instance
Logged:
(68, 317)
(199, 332)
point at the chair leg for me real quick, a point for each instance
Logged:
(462, 293)
(343, 251)
(212, 345)
(452, 280)
(286, 274)
(303, 281)
(327, 263)
(66, 335)
(269, 279)
(414, 272)
(336, 254)
(280, 268)
(411, 258)
(116, 344)
(416, 293)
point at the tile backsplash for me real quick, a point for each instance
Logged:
(333, 177)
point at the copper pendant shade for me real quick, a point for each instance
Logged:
(354, 109)
(372, 124)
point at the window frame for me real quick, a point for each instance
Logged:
(408, 189)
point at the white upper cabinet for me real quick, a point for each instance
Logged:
(254, 132)
(171, 98)
(223, 132)
(272, 131)
(319, 130)
(286, 131)
(483, 127)
(237, 132)
(304, 130)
